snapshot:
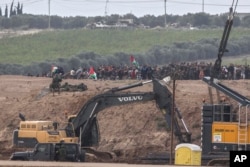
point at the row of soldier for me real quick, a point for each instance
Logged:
(183, 71)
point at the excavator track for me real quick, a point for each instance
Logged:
(219, 162)
(100, 156)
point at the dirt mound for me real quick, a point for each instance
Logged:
(128, 131)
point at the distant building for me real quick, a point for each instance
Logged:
(126, 21)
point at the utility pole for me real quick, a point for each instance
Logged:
(172, 122)
(49, 13)
(202, 6)
(106, 9)
(165, 8)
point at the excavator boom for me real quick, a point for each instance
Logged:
(85, 123)
(223, 43)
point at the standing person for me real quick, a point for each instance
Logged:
(231, 72)
(243, 72)
(201, 74)
(79, 73)
(72, 73)
(53, 70)
(144, 72)
(56, 83)
(62, 153)
(149, 72)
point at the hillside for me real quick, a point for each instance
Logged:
(27, 47)
(128, 131)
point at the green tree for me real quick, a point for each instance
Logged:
(200, 19)
(186, 19)
(74, 22)
(237, 21)
(246, 21)
(111, 20)
(0, 12)
(5, 23)
(56, 22)
(218, 20)
(12, 10)
(6, 12)
(16, 21)
(19, 9)
(98, 19)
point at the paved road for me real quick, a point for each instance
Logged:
(70, 164)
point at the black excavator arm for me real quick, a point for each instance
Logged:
(223, 43)
(85, 123)
(212, 81)
(244, 101)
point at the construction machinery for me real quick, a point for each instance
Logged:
(225, 127)
(83, 127)
(29, 133)
(52, 152)
(85, 123)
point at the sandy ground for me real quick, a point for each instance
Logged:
(67, 164)
(129, 131)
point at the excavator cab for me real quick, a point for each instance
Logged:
(71, 118)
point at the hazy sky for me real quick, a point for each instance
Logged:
(137, 7)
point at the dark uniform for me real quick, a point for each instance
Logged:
(62, 153)
(56, 83)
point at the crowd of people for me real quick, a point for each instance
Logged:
(182, 71)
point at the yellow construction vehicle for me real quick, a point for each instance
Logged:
(30, 133)
(83, 127)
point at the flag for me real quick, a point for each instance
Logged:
(92, 73)
(133, 61)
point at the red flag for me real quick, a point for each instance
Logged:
(132, 59)
(91, 71)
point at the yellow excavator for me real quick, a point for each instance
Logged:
(83, 127)
(29, 133)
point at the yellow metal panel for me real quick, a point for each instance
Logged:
(248, 135)
(36, 125)
(28, 134)
(40, 130)
(70, 140)
(227, 132)
(41, 136)
(62, 133)
(53, 138)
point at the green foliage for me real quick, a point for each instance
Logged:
(6, 12)
(246, 22)
(84, 47)
(51, 45)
